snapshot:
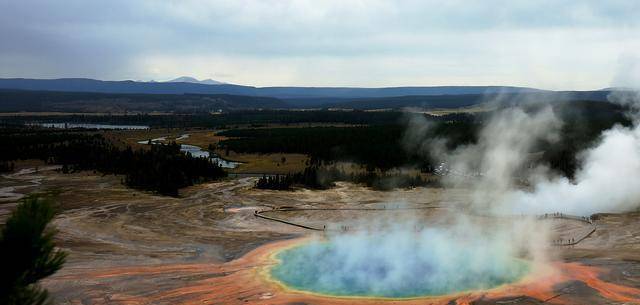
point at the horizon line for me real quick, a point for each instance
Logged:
(307, 86)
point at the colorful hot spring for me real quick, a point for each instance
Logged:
(399, 265)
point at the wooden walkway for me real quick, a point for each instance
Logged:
(543, 217)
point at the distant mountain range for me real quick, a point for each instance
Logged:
(187, 94)
(184, 85)
(188, 79)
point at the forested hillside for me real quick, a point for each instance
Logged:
(383, 146)
(377, 146)
(48, 101)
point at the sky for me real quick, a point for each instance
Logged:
(546, 44)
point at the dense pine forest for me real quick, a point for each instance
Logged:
(161, 168)
(383, 146)
(317, 177)
(379, 146)
(218, 120)
(46, 101)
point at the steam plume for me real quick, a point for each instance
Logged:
(607, 181)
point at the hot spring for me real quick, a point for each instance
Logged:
(399, 264)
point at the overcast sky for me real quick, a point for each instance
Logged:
(545, 44)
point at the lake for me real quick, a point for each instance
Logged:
(89, 126)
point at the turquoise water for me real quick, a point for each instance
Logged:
(333, 268)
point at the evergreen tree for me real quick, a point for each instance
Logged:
(28, 253)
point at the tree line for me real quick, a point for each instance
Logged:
(374, 146)
(381, 147)
(161, 168)
(317, 177)
(218, 120)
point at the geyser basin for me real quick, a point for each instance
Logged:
(397, 265)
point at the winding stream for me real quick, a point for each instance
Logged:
(195, 151)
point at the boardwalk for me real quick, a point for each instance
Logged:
(572, 241)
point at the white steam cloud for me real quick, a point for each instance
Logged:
(499, 160)
(608, 179)
(500, 169)
(410, 256)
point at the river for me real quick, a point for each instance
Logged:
(196, 151)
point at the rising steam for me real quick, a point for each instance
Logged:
(394, 259)
(607, 181)
(497, 166)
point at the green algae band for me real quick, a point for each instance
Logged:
(374, 270)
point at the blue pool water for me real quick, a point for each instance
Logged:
(352, 266)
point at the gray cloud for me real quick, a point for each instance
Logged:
(321, 42)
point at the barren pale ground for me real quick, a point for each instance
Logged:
(132, 247)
